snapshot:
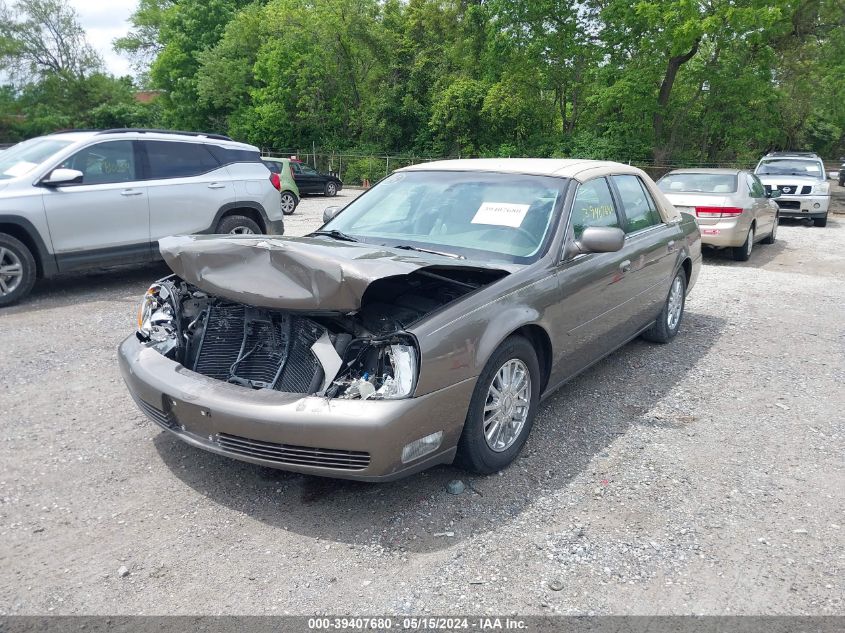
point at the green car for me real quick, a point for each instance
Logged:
(284, 182)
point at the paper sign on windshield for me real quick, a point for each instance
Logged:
(19, 169)
(501, 214)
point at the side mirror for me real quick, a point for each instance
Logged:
(329, 213)
(601, 239)
(774, 193)
(60, 176)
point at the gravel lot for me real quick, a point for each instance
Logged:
(703, 477)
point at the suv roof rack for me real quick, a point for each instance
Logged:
(802, 154)
(142, 130)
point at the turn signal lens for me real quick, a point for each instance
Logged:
(422, 446)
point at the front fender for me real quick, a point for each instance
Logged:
(457, 348)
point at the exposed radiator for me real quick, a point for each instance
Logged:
(260, 349)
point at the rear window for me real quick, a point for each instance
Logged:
(698, 183)
(170, 159)
(227, 155)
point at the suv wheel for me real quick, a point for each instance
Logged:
(238, 225)
(820, 222)
(17, 270)
(331, 189)
(288, 203)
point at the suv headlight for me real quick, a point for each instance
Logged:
(822, 188)
(155, 315)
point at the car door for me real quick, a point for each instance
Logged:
(652, 246)
(590, 317)
(105, 219)
(764, 208)
(187, 187)
(312, 181)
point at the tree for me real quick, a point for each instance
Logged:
(39, 37)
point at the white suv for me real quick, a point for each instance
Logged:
(802, 181)
(77, 200)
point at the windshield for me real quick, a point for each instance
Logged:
(477, 215)
(22, 158)
(790, 167)
(698, 183)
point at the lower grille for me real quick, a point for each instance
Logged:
(789, 204)
(260, 349)
(294, 455)
(156, 415)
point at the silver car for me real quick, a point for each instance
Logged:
(86, 199)
(733, 208)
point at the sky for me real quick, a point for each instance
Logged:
(103, 21)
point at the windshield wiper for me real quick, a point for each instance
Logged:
(335, 234)
(408, 247)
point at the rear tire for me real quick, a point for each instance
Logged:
(743, 253)
(820, 222)
(666, 326)
(289, 203)
(238, 225)
(515, 358)
(17, 270)
(771, 237)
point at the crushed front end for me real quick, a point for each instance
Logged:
(327, 393)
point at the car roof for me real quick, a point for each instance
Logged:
(577, 168)
(155, 135)
(707, 170)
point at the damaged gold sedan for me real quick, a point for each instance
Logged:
(421, 325)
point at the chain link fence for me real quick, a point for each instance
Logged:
(358, 169)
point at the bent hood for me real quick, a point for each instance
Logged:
(294, 273)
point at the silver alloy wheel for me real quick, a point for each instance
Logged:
(288, 203)
(676, 304)
(749, 245)
(241, 230)
(11, 271)
(331, 189)
(507, 404)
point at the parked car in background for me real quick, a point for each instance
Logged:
(422, 324)
(85, 199)
(842, 172)
(802, 181)
(284, 181)
(309, 180)
(733, 208)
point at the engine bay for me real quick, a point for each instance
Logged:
(365, 354)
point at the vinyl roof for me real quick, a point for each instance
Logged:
(560, 167)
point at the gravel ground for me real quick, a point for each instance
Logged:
(705, 476)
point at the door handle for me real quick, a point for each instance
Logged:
(216, 185)
(671, 245)
(131, 192)
(625, 266)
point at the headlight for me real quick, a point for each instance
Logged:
(155, 315)
(403, 361)
(378, 371)
(822, 188)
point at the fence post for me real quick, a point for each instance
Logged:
(387, 166)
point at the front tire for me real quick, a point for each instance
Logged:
(669, 322)
(238, 225)
(743, 253)
(17, 270)
(331, 189)
(289, 203)
(820, 222)
(502, 409)
(771, 237)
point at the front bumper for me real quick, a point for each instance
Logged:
(803, 206)
(349, 439)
